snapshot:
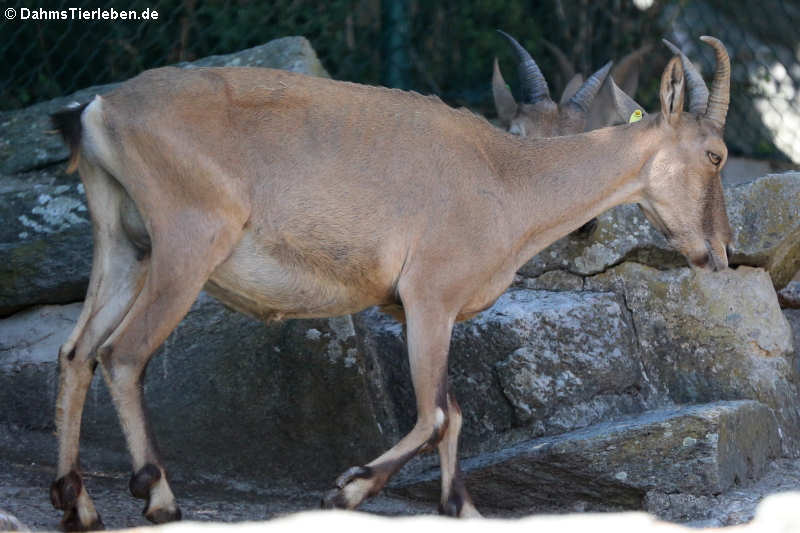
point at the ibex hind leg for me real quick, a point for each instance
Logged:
(429, 330)
(178, 267)
(117, 276)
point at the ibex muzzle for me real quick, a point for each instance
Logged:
(291, 196)
(693, 216)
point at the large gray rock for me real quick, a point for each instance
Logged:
(45, 238)
(536, 362)
(288, 402)
(789, 296)
(287, 53)
(622, 234)
(699, 450)
(793, 317)
(707, 337)
(28, 142)
(764, 214)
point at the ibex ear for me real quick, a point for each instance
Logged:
(626, 72)
(672, 90)
(611, 107)
(504, 101)
(572, 87)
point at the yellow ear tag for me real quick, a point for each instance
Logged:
(636, 116)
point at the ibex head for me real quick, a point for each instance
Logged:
(538, 116)
(682, 193)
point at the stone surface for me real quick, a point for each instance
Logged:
(45, 238)
(27, 467)
(622, 234)
(536, 362)
(793, 317)
(701, 450)
(789, 296)
(287, 53)
(707, 337)
(765, 217)
(28, 143)
(288, 402)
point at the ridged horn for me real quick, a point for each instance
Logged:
(584, 96)
(534, 87)
(720, 97)
(698, 92)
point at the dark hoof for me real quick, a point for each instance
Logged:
(354, 472)
(452, 507)
(333, 499)
(65, 490)
(162, 516)
(143, 480)
(71, 522)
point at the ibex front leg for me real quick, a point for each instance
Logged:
(429, 329)
(455, 500)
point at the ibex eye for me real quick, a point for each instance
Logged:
(714, 158)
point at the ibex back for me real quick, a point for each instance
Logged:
(291, 196)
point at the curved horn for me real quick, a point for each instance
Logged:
(720, 96)
(698, 92)
(583, 98)
(531, 79)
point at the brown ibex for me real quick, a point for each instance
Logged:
(289, 196)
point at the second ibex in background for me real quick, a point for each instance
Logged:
(586, 105)
(288, 196)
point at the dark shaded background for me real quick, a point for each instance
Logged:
(444, 47)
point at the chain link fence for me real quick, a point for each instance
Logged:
(444, 47)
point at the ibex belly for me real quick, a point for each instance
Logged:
(269, 282)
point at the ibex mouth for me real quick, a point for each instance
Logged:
(710, 260)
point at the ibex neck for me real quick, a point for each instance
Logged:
(557, 185)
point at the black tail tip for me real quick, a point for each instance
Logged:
(68, 123)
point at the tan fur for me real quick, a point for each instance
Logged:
(293, 196)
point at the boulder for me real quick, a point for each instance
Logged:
(765, 216)
(45, 241)
(621, 234)
(793, 317)
(789, 296)
(227, 395)
(28, 142)
(287, 53)
(706, 337)
(535, 363)
(700, 450)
